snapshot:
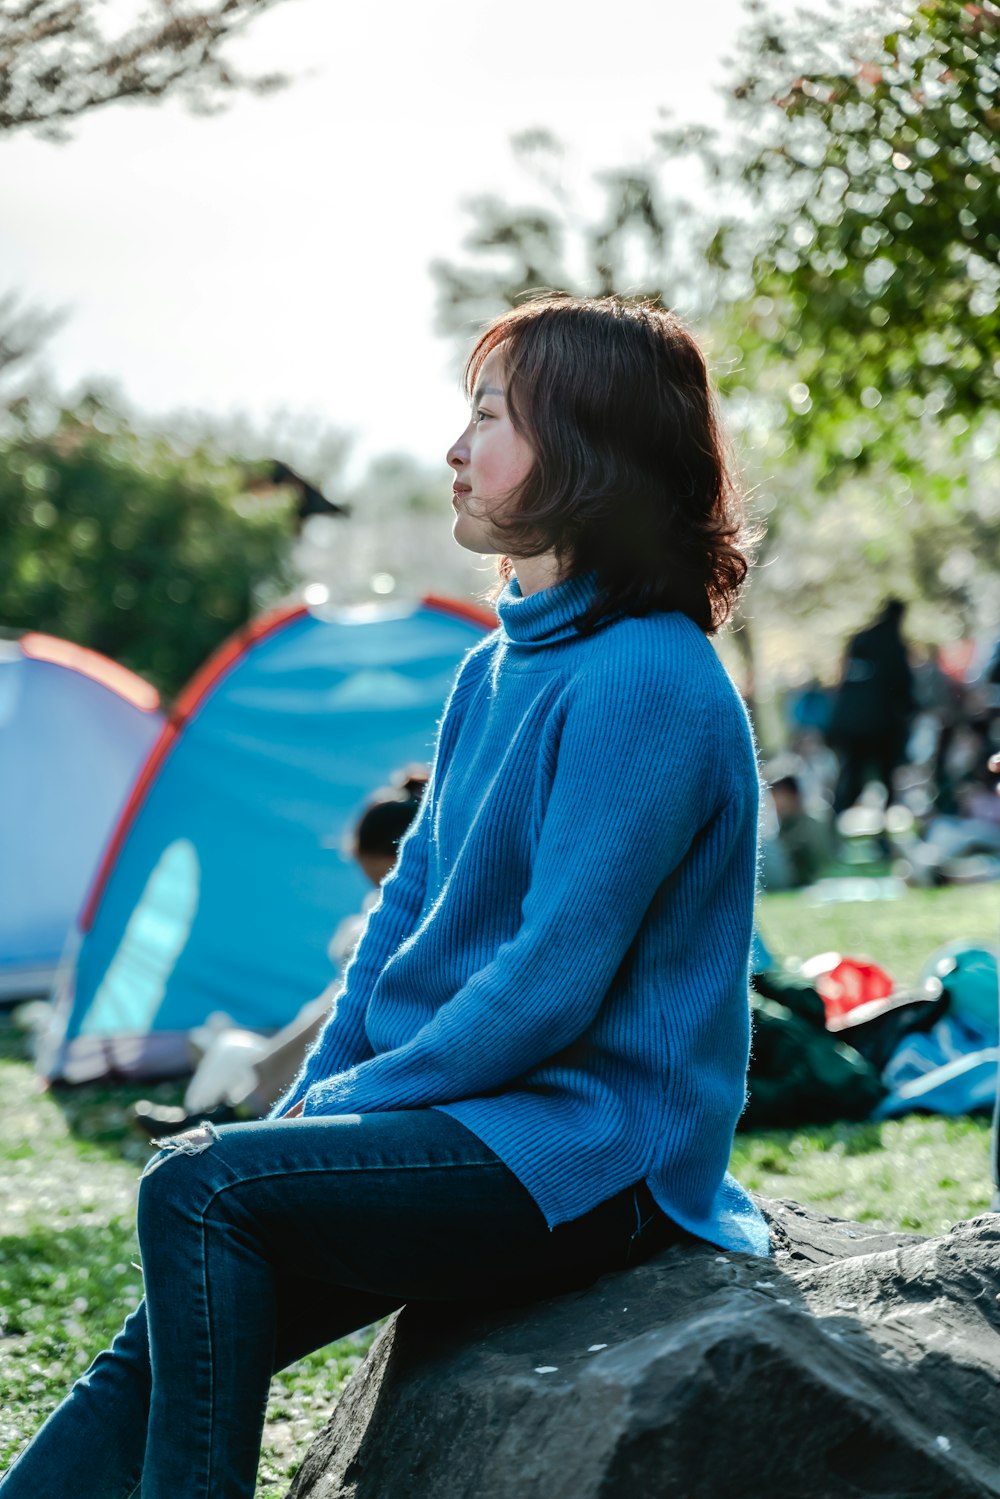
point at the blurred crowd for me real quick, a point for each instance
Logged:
(888, 765)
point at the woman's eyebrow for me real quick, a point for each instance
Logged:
(487, 390)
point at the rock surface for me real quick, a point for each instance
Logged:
(851, 1365)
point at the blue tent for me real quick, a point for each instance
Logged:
(229, 872)
(75, 728)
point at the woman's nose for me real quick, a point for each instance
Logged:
(458, 453)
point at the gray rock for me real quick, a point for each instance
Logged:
(851, 1364)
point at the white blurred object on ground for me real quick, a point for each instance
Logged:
(226, 1072)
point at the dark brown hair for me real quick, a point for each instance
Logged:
(388, 813)
(631, 474)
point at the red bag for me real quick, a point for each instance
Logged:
(844, 984)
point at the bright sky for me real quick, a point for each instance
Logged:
(276, 255)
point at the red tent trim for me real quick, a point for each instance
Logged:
(87, 663)
(187, 704)
(195, 693)
(477, 613)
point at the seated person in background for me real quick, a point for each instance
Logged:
(799, 845)
(241, 1074)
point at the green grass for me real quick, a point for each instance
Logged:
(899, 934)
(69, 1169)
(68, 1252)
(922, 1173)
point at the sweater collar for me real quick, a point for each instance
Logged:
(541, 618)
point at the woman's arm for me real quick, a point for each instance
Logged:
(343, 1042)
(634, 784)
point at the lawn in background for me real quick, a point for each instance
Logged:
(921, 1172)
(69, 1167)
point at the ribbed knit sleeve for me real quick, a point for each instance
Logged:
(633, 766)
(343, 1043)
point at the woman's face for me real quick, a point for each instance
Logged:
(490, 460)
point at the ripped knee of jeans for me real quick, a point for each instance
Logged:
(189, 1142)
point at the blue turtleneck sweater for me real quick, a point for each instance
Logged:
(559, 959)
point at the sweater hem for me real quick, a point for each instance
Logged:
(733, 1222)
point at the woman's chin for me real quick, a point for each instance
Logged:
(471, 536)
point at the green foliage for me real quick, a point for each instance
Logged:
(23, 330)
(848, 301)
(833, 551)
(627, 235)
(867, 257)
(59, 59)
(130, 546)
(863, 259)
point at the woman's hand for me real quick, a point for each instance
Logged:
(295, 1112)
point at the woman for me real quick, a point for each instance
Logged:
(535, 1066)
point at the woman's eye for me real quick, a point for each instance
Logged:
(480, 414)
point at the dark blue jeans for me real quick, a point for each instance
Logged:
(261, 1242)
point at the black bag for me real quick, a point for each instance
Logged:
(799, 1072)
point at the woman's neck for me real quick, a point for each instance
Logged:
(536, 573)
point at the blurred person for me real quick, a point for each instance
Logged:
(799, 847)
(991, 674)
(535, 1064)
(939, 698)
(807, 709)
(873, 707)
(993, 769)
(947, 842)
(231, 1083)
(816, 768)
